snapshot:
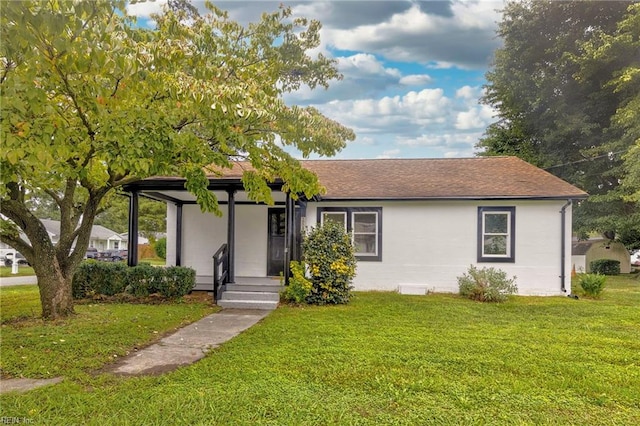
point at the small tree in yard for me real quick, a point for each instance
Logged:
(90, 102)
(331, 262)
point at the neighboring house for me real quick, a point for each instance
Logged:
(101, 238)
(417, 224)
(585, 252)
(141, 239)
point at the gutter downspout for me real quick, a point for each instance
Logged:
(563, 244)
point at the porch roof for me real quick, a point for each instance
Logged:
(454, 178)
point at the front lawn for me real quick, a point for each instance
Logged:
(389, 359)
(98, 334)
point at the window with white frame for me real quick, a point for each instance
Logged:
(496, 234)
(365, 233)
(364, 224)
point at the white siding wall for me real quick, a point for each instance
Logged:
(432, 243)
(426, 243)
(172, 210)
(251, 240)
(204, 233)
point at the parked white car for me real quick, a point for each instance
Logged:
(635, 259)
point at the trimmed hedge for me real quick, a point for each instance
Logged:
(93, 278)
(605, 267)
(144, 280)
(177, 281)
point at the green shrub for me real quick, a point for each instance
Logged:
(486, 284)
(178, 281)
(299, 286)
(143, 280)
(331, 261)
(160, 248)
(86, 274)
(605, 267)
(592, 284)
(94, 278)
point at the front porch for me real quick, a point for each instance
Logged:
(240, 256)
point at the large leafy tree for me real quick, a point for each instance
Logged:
(557, 109)
(619, 50)
(91, 102)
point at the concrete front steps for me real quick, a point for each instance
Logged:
(251, 294)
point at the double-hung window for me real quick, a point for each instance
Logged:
(496, 234)
(364, 224)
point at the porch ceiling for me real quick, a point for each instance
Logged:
(188, 198)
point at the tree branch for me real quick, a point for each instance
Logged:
(7, 68)
(115, 89)
(72, 95)
(51, 193)
(183, 123)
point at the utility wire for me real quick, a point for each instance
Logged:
(584, 160)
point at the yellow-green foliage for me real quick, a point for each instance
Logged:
(299, 286)
(331, 260)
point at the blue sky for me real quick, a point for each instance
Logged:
(413, 70)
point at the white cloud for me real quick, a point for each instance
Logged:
(478, 117)
(146, 8)
(468, 92)
(465, 38)
(365, 64)
(365, 76)
(391, 153)
(415, 80)
(450, 140)
(393, 114)
(365, 140)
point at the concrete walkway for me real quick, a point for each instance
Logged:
(9, 281)
(184, 347)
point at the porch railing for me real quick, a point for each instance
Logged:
(220, 271)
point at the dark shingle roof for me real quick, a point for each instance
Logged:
(450, 178)
(483, 177)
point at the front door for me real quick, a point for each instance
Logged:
(275, 248)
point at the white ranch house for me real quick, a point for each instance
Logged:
(417, 224)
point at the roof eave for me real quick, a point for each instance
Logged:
(453, 198)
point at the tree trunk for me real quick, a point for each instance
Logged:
(55, 290)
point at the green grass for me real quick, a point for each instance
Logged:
(96, 335)
(5, 271)
(156, 261)
(389, 359)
